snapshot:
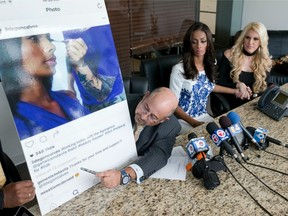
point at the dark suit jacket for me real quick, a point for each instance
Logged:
(155, 144)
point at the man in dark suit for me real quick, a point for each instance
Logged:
(13, 191)
(158, 130)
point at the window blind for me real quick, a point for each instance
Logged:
(148, 28)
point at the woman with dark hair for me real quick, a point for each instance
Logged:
(27, 65)
(192, 79)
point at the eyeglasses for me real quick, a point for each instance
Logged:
(150, 116)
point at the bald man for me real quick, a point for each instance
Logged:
(155, 133)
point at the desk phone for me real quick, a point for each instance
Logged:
(274, 103)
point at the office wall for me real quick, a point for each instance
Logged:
(233, 15)
(207, 13)
(272, 13)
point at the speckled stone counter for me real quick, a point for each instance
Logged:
(170, 197)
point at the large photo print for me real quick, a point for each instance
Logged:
(68, 103)
(46, 90)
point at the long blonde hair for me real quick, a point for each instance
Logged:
(262, 62)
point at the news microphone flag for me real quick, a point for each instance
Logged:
(195, 146)
(260, 135)
(219, 137)
(235, 119)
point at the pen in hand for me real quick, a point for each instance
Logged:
(88, 170)
(60, 41)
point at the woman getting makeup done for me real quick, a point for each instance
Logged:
(27, 66)
(94, 67)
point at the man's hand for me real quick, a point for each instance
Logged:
(18, 193)
(110, 178)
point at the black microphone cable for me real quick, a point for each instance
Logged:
(260, 179)
(268, 152)
(267, 142)
(262, 207)
(275, 154)
(264, 183)
(264, 167)
(268, 168)
(256, 153)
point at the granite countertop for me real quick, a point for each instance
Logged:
(190, 197)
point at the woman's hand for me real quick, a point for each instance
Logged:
(18, 193)
(179, 113)
(194, 123)
(243, 91)
(76, 50)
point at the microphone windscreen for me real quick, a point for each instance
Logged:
(192, 136)
(234, 117)
(251, 129)
(198, 168)
(225, 122)
(211, 127)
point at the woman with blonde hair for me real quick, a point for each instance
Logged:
(247, 63)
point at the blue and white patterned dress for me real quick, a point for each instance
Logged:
(192, 94)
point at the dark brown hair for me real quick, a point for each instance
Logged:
(190, 70)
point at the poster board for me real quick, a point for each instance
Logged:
(70, 109)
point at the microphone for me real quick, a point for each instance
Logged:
(259, 135)
(219, 137)
(252, 130)
(196, 149)
(235, 118)
(234, 131)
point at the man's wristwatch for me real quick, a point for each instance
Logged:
(125, 177)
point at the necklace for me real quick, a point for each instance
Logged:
(248, 54)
